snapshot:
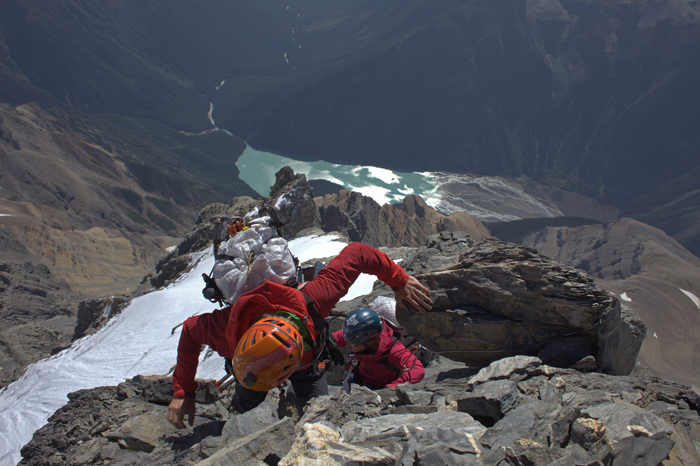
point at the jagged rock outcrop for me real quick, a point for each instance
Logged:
(406, 224)
(516, 411)
(95, 313)
(493, 299)
(293, 200)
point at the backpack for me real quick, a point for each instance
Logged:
(247, 253)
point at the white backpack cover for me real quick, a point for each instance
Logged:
(249, 259)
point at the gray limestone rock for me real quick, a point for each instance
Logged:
(240, 425)
(620, 339)
(490, 400)
(529, 421)
(528, 452)
(618, 417)
(272, 442)
(437, 445)
(509, 368)
(643, 451)
(575, 454)
(144, 432)
(321, 445)
(493, 299)
(391, 430)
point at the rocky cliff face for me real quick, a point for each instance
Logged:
(493, 299)
(516, 411)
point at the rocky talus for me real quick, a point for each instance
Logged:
(516, 411)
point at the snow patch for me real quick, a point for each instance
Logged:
(383, 174)
(692, 297)
(5, 215)
(281, 202)
(655, 335)
(624, 297)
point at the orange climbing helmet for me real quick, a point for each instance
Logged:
(267, 354)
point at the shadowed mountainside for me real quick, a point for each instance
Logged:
(596, 97)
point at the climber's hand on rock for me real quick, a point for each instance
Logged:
(177, 410)
(414, 294)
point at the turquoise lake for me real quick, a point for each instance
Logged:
(258, 168)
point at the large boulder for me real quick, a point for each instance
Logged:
(493, 299)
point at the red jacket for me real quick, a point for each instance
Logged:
(221, 329)
(375, 373)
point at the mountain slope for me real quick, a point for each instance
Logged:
(81, 219)
(598, 98)
(138, 58)
(656, 277)
(594, 97)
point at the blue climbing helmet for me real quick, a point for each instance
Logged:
(361, 325)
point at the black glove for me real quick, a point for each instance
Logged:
(335, 355)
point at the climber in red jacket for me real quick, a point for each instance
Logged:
(378, 359)
(274, 332)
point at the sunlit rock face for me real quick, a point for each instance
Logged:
(493, 299)
(391, 225)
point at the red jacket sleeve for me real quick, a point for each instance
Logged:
(334, 280)
(340, 339)
(401, 357)
(206, 329)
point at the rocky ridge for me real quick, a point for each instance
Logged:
(516, 411)
(348, 214)
(493, 299)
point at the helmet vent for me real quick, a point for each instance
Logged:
(281, 339)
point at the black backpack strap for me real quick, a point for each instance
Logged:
(325, 345)
(314, 313)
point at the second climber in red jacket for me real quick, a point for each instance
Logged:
(378, 359)
(275, 332)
